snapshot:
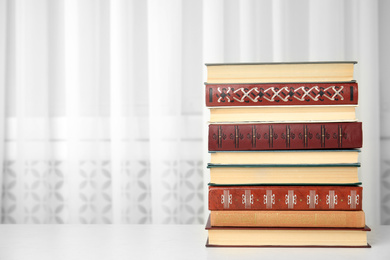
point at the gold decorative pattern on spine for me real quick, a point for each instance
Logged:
(305, 130)
(340, 136)
(254, 136)
(236, 128)
(271, 136)
(288, 136)
(219, 137)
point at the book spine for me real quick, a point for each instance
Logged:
(345, 93)
(285, 136)
(309, 198)
(346, 219)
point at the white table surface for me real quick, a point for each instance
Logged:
(156, 242)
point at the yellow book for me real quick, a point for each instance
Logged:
(283, 113)
(287, 218)
(280, 72)
(286, 237)
(286, 157)
(283, 174)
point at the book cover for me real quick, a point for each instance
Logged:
(284, 136)
(338, 71)
(286, 237)
(249, 114)
(282, 174)
(280, 218)
(278, 94)
(333, 198)
(345, 156)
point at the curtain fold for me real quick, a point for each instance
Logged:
(3, 64)
(104, 121)
(368, 112)
(384, 78)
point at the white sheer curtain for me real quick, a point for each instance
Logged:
(103, 112)
(104, 117)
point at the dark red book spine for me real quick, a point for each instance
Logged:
(257, 94)
(285, 197)
(285, 136)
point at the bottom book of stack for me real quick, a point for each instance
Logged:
(286, 237)
(286, 216)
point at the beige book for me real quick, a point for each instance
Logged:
(237, 175)
(287, 218)
(286, 157)
(280, 72)
(283, 113)
(288, 237)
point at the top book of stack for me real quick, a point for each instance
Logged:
(339, 71)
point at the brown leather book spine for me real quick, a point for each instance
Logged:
(285, 136)
(347, 219)
(344, 93)
(333, 198)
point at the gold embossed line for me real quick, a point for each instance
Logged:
(219, 136)
(340, 136)
(236, 133)
(254, 136)
(288, 136)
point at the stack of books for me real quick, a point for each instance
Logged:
(284, 156)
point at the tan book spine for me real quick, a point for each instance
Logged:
(265, 218)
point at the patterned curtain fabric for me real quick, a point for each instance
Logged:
(102, 115)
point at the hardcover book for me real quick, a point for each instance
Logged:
(278, 94)
(289, 198)
(266, 218)
(284, 136)
(285, 157)
(282, 113)
(280, 72)
(286, 237)
(282, 174)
